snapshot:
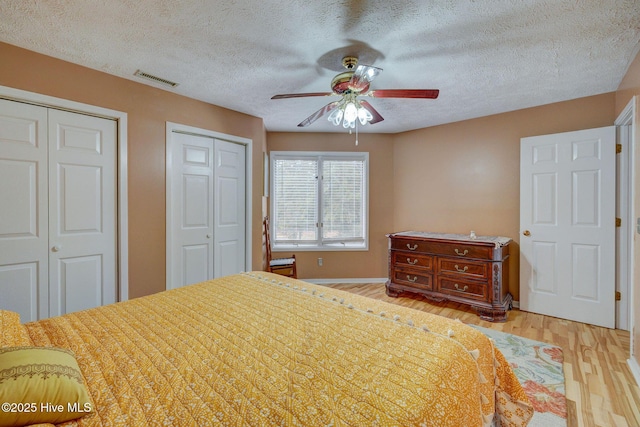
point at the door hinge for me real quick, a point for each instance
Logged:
(618, 296)
(618, 148)
(618, 222)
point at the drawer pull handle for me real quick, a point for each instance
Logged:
(412, 280)
(461, 270)
(464, 289)
(414, 262)
(412, 248)
(463, 253)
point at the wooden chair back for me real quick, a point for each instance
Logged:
(267, 239)
(283, 266)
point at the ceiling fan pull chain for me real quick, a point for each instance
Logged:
(356, 133)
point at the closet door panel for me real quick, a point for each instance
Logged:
(23, 210)
(82, 211)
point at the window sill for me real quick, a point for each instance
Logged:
(336, 247)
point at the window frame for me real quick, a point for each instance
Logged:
(319, 244)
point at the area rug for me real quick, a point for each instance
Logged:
(538, 366)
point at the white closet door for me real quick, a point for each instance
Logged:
(230, 211)
(191, 217)
(206, 208)
(82, 211)
(23, 210)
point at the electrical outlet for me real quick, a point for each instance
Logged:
(320, 262)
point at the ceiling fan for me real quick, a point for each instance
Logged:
(352, 84)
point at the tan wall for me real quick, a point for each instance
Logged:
(350, 264)
(454, 177)
(148, 109)
(466, 176)
(629, 87)
(451, 178)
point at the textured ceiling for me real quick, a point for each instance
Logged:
(485, 56)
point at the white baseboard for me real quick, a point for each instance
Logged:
(352, 281)
(516, 304)
(635, 369)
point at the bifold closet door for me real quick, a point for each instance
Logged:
(191, 209)
(82, 212)
(229, 208)
(206, 198)
(24, 254)
(58, 211)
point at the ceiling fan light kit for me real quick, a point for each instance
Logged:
(348, 111)
(350, 85)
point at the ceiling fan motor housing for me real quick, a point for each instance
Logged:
(349, 62)
(340, 84)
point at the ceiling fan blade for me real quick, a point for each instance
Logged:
(315, 116)
(404, 93)
(376, 116)
(362, 77)
(301, 95)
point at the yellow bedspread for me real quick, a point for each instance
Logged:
(258, 349)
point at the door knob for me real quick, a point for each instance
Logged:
(56, 248)
(526, 233)
(208, 236)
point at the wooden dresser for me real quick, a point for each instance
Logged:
(455, 267)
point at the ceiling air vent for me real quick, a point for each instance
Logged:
(156, 79)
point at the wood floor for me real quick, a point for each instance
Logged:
(600, 388)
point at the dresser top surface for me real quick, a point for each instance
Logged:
(498, 241)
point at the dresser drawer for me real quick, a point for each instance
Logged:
(463, 288)
(447, 249)
(409, 245)
(462, 250)
(411, 278)
(457, 267)
(410, 259)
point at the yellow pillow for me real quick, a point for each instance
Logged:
(40, 385)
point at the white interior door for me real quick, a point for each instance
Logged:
(23, 210)
(191, 209)
(82, 212)
(230, 211)
(206, 208)
(58, 211)
(567, 217)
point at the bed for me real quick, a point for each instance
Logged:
(257, 349)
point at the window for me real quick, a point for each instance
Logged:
(306, 187)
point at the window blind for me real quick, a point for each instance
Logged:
(342, 200)
(319, 200)
(295, 200)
